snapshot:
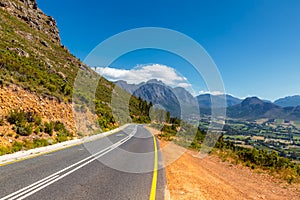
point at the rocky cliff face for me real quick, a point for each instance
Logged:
(27, 11)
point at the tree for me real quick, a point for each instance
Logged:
(168, 117)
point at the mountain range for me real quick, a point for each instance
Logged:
(290, 101)
(251, 108)
(177, 100)
(204, 100)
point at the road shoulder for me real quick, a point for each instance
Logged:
(191, 177)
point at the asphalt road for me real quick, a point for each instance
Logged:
(123, 165)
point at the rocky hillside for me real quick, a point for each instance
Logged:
(27, 11)
(31, 53)
(37, 75)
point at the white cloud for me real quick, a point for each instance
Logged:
(143, 73)
(211, 92)
(219, 93)
(184, 85)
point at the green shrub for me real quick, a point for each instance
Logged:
(37, 130)
(4, 150)
(28, 144)
(195, 145)
(41, 128)
(48, 128)
(24, 130)
(29, 117)
(37, 120)
(62, 136)
(17, 117)
(66, 89)
(51, 87)
(40, 143)
(17, 146)
(62, 133)
(59, 126)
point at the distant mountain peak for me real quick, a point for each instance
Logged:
(121, 81)
(204, 100)
(252, 101)
(176, 100)
(155, 81)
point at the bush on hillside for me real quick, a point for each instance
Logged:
(17, 117)
(48, 128)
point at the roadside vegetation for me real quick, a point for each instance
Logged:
(29, 131)
(258, 160)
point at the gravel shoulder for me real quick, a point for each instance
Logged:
(191, 177)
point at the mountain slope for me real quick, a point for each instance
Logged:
(255, 108)
(130, 88)
(31, 53)
(37, 76)
(290, 101)
(159, 94)
(204, 100)
(184, 96)
(178, 101)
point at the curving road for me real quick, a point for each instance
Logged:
(124, 165)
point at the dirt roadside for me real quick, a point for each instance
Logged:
(191, 177)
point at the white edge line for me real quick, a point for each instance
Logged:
(70, 172)
(36, 186)
(23, 155)
(38, 183)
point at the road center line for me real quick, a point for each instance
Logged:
(35, 187)
(70, 172)
(32, 188)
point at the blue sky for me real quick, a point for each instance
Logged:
(255, 44)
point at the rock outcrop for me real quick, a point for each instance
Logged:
(28, 11)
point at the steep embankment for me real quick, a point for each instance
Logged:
(14, 97)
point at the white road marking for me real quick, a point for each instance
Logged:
(39, 185)
(35, 186)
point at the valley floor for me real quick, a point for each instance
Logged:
(191, 177)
